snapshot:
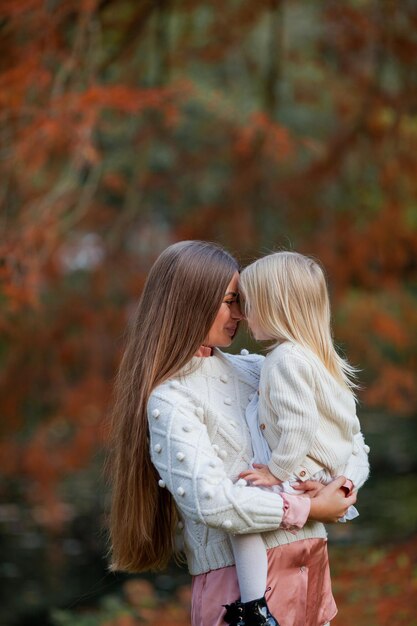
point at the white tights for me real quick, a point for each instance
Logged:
(251, 565)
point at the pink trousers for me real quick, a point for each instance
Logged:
(299, 580)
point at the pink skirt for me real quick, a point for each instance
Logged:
(299, 578)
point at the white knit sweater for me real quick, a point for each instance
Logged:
(308, 419)
(199, 443)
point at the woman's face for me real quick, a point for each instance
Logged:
(225, 325)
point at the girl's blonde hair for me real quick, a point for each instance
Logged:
(286, 296)
(181, 298)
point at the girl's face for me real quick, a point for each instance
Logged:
(225, 325)
(255, 328)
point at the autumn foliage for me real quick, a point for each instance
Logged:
(128, 125)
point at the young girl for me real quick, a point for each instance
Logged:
(304, 424)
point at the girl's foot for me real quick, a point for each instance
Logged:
(254, 613)
(234, 614)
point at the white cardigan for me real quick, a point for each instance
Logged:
(199, 443)
(308, 419)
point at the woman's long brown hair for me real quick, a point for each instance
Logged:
(180, 300)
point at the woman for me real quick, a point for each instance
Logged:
(180, 442)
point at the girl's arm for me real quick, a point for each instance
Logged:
(357, 466)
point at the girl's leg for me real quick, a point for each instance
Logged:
(251, 565)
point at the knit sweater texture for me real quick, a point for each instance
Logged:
(308, 418)
(199, 443)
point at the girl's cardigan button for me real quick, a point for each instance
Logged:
(155, 413)
(161, 483)
(181, 491)
(227, 523)
(244, 352)
(157, 447)
(180, 456)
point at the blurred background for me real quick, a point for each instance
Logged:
(127, 125)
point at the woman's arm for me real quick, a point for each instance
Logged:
(194, 470)
(325, 503)
(195, 474)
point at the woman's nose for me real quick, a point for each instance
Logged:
(236, 312)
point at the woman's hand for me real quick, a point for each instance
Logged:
(261, 476)
(331, 502)
(309, 488)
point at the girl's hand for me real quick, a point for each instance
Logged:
(261, 477)
(331, 502)
(310, 488)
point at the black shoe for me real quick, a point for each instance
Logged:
(256, 613)
(234, 614)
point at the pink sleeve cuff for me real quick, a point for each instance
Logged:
(296, 511)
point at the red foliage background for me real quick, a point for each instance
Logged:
(129, 125)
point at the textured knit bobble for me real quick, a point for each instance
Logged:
(227, 523)
(161, 483)
(157, 448)
(155, 413)
(228, 401)
(180, 456)
(180, 491)
(224, 378)
(199, 411)
(208, 494)
(244, 352)
(186, 428)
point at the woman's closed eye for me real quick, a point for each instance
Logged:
(232, 299)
